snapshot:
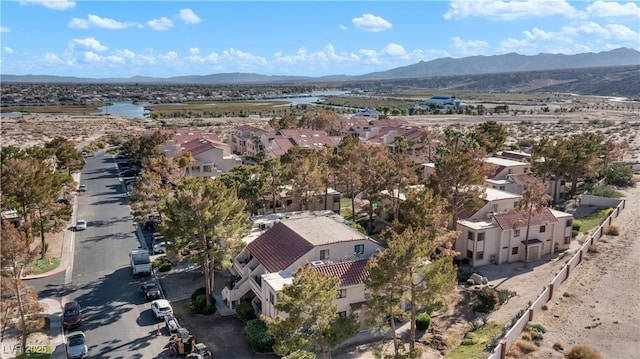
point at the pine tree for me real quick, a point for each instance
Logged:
(312, 322)
(209, 215)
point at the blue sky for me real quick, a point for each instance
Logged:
(101, 39)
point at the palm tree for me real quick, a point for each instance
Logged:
(533, 203)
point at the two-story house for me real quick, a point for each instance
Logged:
(323, 239)
(211, 157)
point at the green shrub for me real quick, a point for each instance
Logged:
(245, 311)
(604, 191)
(576, 226)
(536, 327)
(471, 282)
(165, 267)
(468, 341)
(197, 292)
(423, 320)
(259, 340)
(574, 234)
(208, 309)
(487, 298)
(504, 295)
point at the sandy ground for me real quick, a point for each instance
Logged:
(600, 302)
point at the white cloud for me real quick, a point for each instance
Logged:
(521, 46)
(76, 23)
(89, 43)
(343, 27)
(91, 56)
(613, 9)
(621, 32)
(51, 4)
(52, 59)
(4, 29)
(245, 57)
(106, 23)
(7, 50)
(188, 16)
(396, 50)
(509, 10)
(161, 24)
(371, 23)
(97, 21)
(468, 47)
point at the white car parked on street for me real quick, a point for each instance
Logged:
(81, 225)
(161, 308)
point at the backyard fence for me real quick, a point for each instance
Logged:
(500, 352)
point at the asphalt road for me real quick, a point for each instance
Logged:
(117, 321)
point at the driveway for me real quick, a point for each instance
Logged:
(222, 334)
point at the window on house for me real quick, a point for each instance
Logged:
(470, 235)
(514, 251)
(502, 188)
(543, 229)
(272, 298)
(206, 168)
(479, 255)
(342, 314)
(358, 249)
(569, 223)
(526, 169)
(289, 202)
(195, 168)
(324, 254)
(469, 254)
(336, 199)
(567, 240)
(516, 233)
(480, 237)
(510, 171)
(494, 207)
(342, 293)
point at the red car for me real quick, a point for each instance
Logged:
(72, 316)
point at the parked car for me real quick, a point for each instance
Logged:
(76, 345)
(81, 225)
(160, 247)
(82, 188)
(72, 315)
(150, 290)
(129, 173)
(161, 308)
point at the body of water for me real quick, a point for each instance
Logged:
(125, 109)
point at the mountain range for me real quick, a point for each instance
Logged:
(511, 63)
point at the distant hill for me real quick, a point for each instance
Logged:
(614, 73)
(508, 63)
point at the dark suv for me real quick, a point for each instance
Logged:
(150, 290)
(72, 316)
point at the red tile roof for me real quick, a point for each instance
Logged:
(350, 273)
(518, 219)
(279, 247)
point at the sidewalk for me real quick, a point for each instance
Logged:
(52, 306)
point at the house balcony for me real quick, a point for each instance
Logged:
(242, 265)
(239, 290)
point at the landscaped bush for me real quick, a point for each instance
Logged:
(245, 311)
(576, 226)
(619, 174)
(423, 320)
(611, 230)
(471, 282)
(165, 267)
(604, 191)
(582, 352)
(259, 340)
(199, 305)
(574, 234)
(487, 298)
(197, 292)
